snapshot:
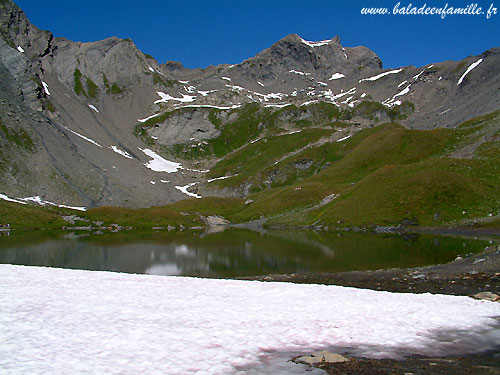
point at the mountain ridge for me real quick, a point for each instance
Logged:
(81, 120)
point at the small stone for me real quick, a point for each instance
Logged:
(248, 201)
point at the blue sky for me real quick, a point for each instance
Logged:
(201, 33)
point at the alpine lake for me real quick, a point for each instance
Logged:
(230, 253)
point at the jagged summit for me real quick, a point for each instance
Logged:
(295, 53)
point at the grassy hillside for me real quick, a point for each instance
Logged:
(381, 175)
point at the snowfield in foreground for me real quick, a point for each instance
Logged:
(56, 321)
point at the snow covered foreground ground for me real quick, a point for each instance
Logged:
(56, 321)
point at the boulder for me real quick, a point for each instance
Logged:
(488, 296)
(321, 357)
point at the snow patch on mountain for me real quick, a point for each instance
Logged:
(8, 199)
(120, 152)
(82, 136)
(166, 98)
(299, 73)
(234, 106)
(378, 76)
(469, 69)
(205, 93)
(184, 190)
(45, 88)
(315, 44)
(148, 118)
(159, 164)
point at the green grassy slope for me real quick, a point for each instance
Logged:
(382, 175)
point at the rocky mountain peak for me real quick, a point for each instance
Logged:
(321, 57)
(17, 31)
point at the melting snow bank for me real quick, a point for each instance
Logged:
(45, 88)
(148, 118)
(344, 138)
(336, 76)
(472, 66)
(158, 164)
(211, 106)
(315, 44)
(121, 152)
(38, 200)
(82, 136)
(115, 323)
(9, 199)
(378, 76)
(221, 178)
(184, 190)
(166, 97)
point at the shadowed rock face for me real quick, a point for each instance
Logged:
(77, 108)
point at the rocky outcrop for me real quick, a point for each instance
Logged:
(183, 126)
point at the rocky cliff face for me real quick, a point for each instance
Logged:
(101, 123)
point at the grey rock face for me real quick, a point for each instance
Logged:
(191, 125)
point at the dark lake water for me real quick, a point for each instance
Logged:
(231, 253)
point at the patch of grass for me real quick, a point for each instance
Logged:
(19, 137)
(395, 193)
(158, 80)
(21, 216)
(278, 201)
(478, 121)
(225, 207)
(106, 84)
(460, 66)
(488, 150)
(115, 89)
(384, 145)
(79, 90)
(50, 106)
(149, 57)
(92, 89)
